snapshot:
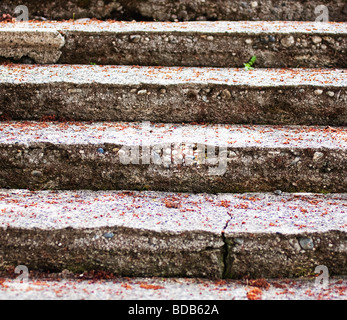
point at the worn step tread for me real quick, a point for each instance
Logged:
(174, 212)
(172, 157)
(248, 27)
(260, 77)
(215, 44)
(89, 287)
(175, 234)
(174, 94)
(146, 133)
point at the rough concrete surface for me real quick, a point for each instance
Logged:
(215, 44)
(120, 93)
(181, 10)
(182, 289)
(168, 234)
(128, 253)
(170, 157)
(43, 46)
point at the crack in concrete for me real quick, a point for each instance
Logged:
(225, 250)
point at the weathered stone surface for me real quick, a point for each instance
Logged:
(281, 255)
(42, 46)
(225, 50)
(202, 44)
(170, 234)
(95, 93)
(257, 158)
(181, 9)
(128, 253)
(87, 287)
(126, 233)
(286, 235)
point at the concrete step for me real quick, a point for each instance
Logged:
(216, 44)
(174, 235)
(182, 289)
(172, 157)
(183, 10)
(174, 94)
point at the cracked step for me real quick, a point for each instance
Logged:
(174, 94)
(133, 233)
(281, 237)
(205, 44)
(172, 157)
(127, 233)
(165, 10)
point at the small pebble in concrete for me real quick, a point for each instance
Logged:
(254, 4)
(318, 92)
(277, 192)
(288, 41)
(272, 39)
(248, 41)
(172, 39)
(135, 38)
(317, 156)
(226, 94)
(101, 150)
(142, 92)
(306, 243)
(36, 173)
(316, 39)
(108, 235)
(330, 93)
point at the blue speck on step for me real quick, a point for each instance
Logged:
(101, 150)
(272, 39)
(108, 235)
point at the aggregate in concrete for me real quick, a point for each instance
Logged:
(172, 157)
(169, 234)
(214, 44)
(173, 94)
(42, 46)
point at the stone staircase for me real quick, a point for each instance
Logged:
(147, 149)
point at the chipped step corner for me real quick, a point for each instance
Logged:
(42, 46)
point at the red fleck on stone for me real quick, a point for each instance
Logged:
(5, 17)
(259, 283)
(171, 204)
(254, 294)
